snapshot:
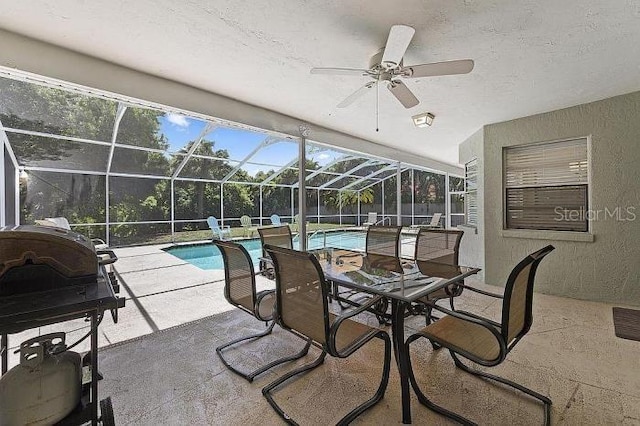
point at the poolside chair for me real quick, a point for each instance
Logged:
(382, 251)
(275, 220)
(62, 222)
(435, 222)
(218, 232)
(483, 341)
(279, 236)
(247, 227)
(303, 307)
(372, 219)
(240, 291)
(295, 226)
(435, 249)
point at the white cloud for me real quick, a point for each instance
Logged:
(178, 120)
(323, 156)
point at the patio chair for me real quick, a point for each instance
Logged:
(218, 232)
(275, 220)
(435, 248)
(240, 291)
(303, 307)
(382, 251)
(372, 219)
(247, 227)
(435, 222)
(296, 223)
(483, 341)
(279, 236)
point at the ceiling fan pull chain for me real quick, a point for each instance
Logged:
(377, 106)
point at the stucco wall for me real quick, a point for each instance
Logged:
(608, 268)
(472, 244)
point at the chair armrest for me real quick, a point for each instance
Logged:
(477, 290)
(356, 344)
(476, 319)
(226, 227)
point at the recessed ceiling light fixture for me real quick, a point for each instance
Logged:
(423, 120)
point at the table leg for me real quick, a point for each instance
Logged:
(4, 350)
(94, 368)
(397, 328)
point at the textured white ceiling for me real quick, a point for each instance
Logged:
(530, 56)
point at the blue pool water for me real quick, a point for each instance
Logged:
(207, 256)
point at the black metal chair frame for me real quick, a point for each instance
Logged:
(380, 308)
(265, 263)
(330, 331)
(499, 331)
(258, 296)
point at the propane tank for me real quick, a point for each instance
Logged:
(45, 387)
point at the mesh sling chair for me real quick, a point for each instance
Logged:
(435, 248)
(382, 251)
(240, 291)
(303, 307)
(279, 236)
(483, 341)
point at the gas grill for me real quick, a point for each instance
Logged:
(50, 275)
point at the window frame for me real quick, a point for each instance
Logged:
(588, 201)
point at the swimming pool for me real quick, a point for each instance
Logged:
(207, 256)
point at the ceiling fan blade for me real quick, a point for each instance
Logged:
(340, 71)
(403, 94)
(399, 38)
(462, 66)
(357, 94)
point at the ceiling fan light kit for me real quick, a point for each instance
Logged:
(423, 120)
(387, 67)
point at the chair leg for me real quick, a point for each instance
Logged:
(250, 376)
(545, 400)
(381, 388)
(428, 319)
(423, 398)
(353, 414)
(266, 391)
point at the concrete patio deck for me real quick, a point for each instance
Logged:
(160, 365)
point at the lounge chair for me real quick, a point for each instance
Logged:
(372, 219)
(240, 291)
(295, 226)
(435, 222)
(275, 220)
(218, 232)
(247, 227)
(484, 341)
(303, 308)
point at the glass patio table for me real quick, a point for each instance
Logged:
(344, 268)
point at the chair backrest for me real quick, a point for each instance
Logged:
(213, 223)
(245, 221)
(279, 236)
(372, 217)
(438, 245)
(517, 304)
(435, 219)
(275, 220)
(301, 293)
(240, 282)
(383, 247)
(60, 222)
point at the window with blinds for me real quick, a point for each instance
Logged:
(546, 186)
(471, 192)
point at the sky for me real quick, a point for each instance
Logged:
(179, 130)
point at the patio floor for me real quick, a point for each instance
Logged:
(160, 365)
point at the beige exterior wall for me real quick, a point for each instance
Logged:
(472, 244)
(603, 266)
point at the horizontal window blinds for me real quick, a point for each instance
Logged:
(471, 192)
(546, 186)
(557, 163)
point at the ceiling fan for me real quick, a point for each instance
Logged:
(387, 67)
